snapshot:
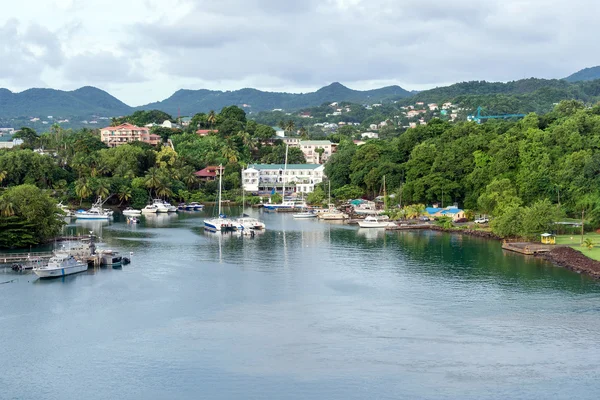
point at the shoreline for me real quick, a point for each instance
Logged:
(560, 256)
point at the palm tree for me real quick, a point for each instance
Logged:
(303, 133)
(188, 176)
(7, 208)
(230, 153)
(124, 194)
(152, 178)
(3, 175)
(289, 126)
(82, 189)
(163, 189)
(102, 188)
(211, 118)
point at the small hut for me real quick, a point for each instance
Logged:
(548, 238)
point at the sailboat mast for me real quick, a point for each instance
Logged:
(220, 176)
(284, 173)
(385, 201)
(329, 198)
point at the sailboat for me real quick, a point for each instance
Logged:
(221, 223)
(377, 221)
(332, 214)
(246, 222)
(284, 204)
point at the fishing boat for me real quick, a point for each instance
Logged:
(61, 264)
(95, 212)
(131, 212)
(221, 223)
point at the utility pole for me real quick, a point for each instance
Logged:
(582, 224)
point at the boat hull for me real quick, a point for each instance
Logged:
(218, 225)
(96, 217)
(373, 224)
(134, 213)
(304, 216)
(45, 273)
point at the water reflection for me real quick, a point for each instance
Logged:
(159, 220)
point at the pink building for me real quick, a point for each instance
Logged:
(126, 133)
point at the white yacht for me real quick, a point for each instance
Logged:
(305, 215)
(221, 223)
(61, 264)
(379, 221)
(93, 213)
(150, 209)
(130, 212)
(163, 206)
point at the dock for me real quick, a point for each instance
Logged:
(9, 258)
(527, 248)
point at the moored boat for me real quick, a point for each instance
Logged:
(221, 223)
(150, 209)
(305, 215)
(246, 222)
(131, 212)
(372, 221)
(61, 264)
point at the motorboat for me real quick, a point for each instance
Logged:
(163, 206)
(109, 257)
(131, 212)
(170, 207)
(332, 214)
(182, 206)
(132, 220)
(246, 223)
(93, 213)
(61, 264)
(150, 209)
(194, 206)
(305, 215)
(221, 223)
(379, 221)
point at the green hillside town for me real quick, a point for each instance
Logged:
(338, 200)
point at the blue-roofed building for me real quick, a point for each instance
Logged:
(452, 211)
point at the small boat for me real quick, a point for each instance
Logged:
(109, 257)
(93, 213)
(305, 215)
(182, 206)
(61, 264)
(132, 220)
(373, 221)
(163, 206)
(246, 222)
(194, 206)
(221, 223)
(150, 209)
(131, 212)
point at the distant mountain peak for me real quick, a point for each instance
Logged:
(586, 74)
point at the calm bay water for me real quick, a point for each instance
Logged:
(305, 310)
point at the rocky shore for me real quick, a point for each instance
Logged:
(573, 260)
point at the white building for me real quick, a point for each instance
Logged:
(369, 135)
(301, 178)
(309, 148)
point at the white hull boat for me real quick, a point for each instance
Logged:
(246, 223)
(221, 223)
(61, 264)
(130, 212)
(93, 213)
(375, 222)
(150, 209)
(305, 215)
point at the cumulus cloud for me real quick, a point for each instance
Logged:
(104, 67)
(27, 51)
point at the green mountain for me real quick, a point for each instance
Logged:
(85, 101)
(189, 102)
(586, 74)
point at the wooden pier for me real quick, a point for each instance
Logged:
(527, 248)
(9, 258)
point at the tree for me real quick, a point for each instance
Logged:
(538, 218)
(124, 194)
(152, 179)
(82, 189)
(102, 188)
(3, 175)
(317, 196)
(28, 135)
(211, 118)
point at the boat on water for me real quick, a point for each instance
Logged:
(132, 220)
(376, 221)
(95, 212)
(61, 264)
(150, 209)
(247, 222)
(221, 223)
(194, 206)
(163, 206)
(308, 214)
(131, 212)
(109, 257)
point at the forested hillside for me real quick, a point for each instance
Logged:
(586, 74)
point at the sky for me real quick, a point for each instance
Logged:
(144, 50)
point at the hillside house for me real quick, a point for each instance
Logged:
(309, 148)
(114, 136)
(369, 135)
(206, 132)
(209, 173)
(301, 178)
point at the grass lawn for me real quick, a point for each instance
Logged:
(575, 240)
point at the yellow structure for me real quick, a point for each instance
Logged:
(548, 238)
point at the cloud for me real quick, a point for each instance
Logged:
(313, 43)
(27, 51)
(105, 68)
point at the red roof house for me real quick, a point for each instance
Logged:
(206, 132)
(209, 173)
